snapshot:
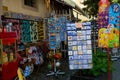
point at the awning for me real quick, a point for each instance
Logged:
(80, 10)
(73, 5)
(69, 2)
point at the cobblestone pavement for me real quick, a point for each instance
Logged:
(41, 74)
(116, 72)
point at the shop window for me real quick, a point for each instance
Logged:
(30, 3)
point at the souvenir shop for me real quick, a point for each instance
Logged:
(22, 45)
(78, 37)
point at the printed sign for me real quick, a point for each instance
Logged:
(33, 31)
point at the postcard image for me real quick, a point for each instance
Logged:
(70, 52)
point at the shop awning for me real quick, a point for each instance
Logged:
(69, 2)
(73, 5)
(80, 10)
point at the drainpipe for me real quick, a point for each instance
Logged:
(0, 12)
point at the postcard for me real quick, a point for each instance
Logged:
(88, 41)
(88, 36)
(79, 33)
(74, 42)
(76, 66)
(88, 31)
(84, 61)
(74, 48)
(89, 60)
(70, 52)
(80, 52)
(69, 37)
(79, 43)
(71, 67)
(89, 47)
(70, 43)
(89, 51)
(84, 51)
(68, 28)
(89, 56)
(85, 66)
(71, 62)
(69, 47)
(74, 37)
(79, 47)
(83, 32)
(88, 27)
(71, 58)
(78, 25)
(76, 57)
(75, 52)
(84, 47)
(79, 38)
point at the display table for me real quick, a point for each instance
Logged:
(9, 71)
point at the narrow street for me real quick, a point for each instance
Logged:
(41, 74)
(44, 70)
(116, 72)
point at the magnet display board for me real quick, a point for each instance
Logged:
(79, 45)
(25, 31)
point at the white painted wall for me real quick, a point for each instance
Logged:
(17, 6)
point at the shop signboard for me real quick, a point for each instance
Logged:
(79, 45)
(40, 30)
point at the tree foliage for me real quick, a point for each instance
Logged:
(92, 7)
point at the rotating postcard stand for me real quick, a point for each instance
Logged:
(53, 47)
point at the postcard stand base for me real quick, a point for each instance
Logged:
(55, 72)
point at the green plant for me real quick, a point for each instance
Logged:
(99, 64)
